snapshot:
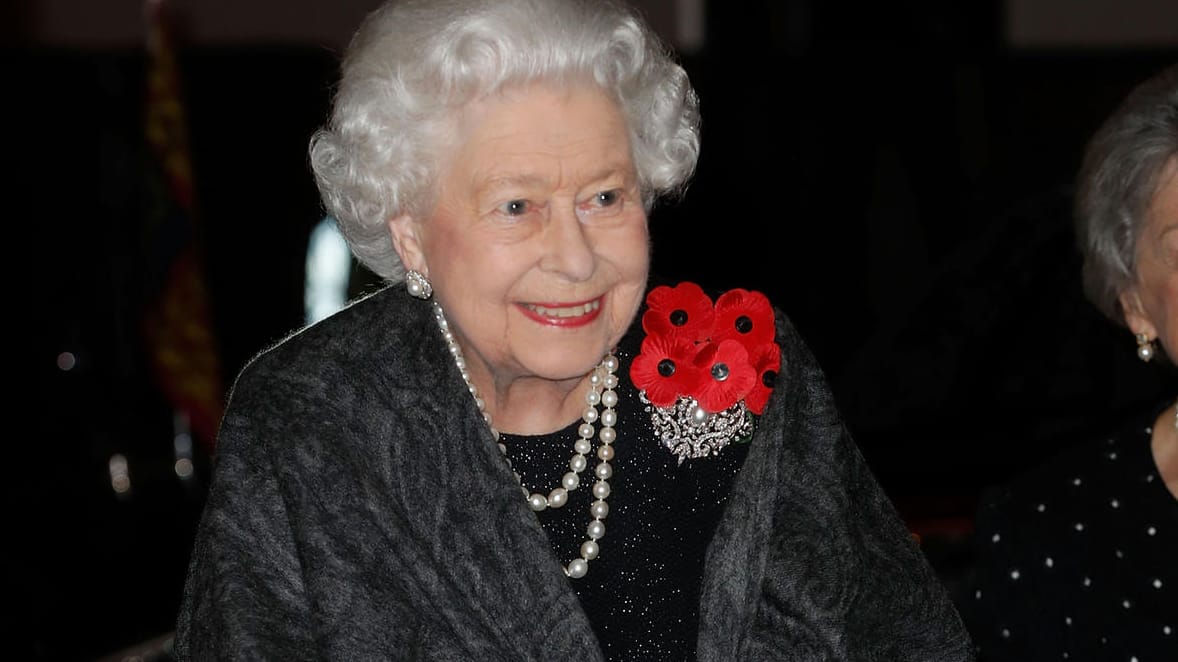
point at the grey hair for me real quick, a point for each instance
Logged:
(1119, 177)
(413, 64)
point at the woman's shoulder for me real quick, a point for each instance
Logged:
(329, 381)
(383, 328)
(1081, 476)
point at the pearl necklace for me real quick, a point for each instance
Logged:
(602, 383)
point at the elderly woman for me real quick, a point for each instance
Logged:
(526, 447)
(1077, 558)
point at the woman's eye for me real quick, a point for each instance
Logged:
(608, 198)
(514, 207)
(603, 205)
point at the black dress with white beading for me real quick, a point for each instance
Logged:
(1078, 559)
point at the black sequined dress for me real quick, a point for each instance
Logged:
(642, 593)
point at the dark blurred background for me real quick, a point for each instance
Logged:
(896, 176)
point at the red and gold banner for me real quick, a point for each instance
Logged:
(178, 322)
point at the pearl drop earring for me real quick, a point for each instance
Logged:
(1145, 348)
(418, 285)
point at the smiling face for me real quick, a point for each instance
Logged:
(537, 248)
(1151, 303)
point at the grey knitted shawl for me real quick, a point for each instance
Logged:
(359, 510)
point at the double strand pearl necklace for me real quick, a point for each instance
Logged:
(602, 383)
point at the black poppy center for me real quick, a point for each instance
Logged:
(666, 367)
(769, 378)
(720, 372)
(744, 324)
(678, 317)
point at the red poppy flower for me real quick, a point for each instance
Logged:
(683, 311)
(766, 361)
(745, 316)
(717, 354)
(665, 368)
(726, 375)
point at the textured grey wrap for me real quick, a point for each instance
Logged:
(360, 510)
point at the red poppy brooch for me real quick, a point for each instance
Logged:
(704, 369)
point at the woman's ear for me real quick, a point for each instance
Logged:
(1136, 318)
(404, 230)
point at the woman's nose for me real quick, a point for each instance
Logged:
(568, 246)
